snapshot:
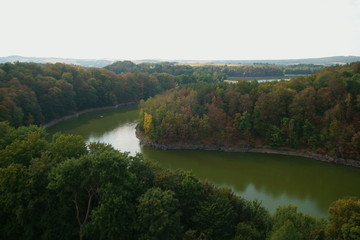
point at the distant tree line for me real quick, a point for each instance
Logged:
(32, 93)
(320, 113)
(67, 189)
(221, 71)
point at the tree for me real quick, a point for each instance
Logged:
(215, 217)
(144, 173)
(245, 231)
(116, 193)
(245, 126)
(344, 219)
(351, 229)
(303, 106)
(67, 146)
(5, 134)
(289, 224)
(98, 185)
(255, 221)
(286, 231)
(22, 144)
(75, 179)
(13, 196)
(148, 127)
(187, 189)
(158, 216)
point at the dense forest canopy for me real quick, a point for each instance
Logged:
(67, 189)
(320, 113)
(32, 93)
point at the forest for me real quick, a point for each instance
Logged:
(64, 188)
(319, 113)
(32, 93)
(60, 187)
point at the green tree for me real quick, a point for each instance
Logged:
(13, 196)
(67, 146)
(22, 144)
(286, 231)
(344, 219)
(143, 172)
(98, 185)
(245, 231)
(75, 179)
(351, 229)
(215, 217)
(255, 221)
(290, 224)
(187, 189)
(158, 215)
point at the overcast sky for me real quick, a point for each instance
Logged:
(180, 29)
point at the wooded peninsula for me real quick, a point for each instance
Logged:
(318, 113)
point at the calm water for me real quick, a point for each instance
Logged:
(273, 179)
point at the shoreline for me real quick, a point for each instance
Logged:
(89, 110)
(319, 157)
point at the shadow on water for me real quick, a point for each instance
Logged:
(97, 123)
(273, 179)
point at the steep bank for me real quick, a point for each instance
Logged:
(324, 158)
(77, 114)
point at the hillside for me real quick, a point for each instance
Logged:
(32, 93)
(318, 113)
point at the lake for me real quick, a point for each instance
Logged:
(273, 179)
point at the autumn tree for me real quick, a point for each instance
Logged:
(344, 219)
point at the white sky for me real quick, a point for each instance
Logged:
(180, 29)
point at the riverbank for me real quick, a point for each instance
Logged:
(319, 157)
(89, 110)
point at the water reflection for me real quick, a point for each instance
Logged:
(273, 179)
(122, 138)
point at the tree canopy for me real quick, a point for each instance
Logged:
(33, 93)
(101, 193)
(319, 113)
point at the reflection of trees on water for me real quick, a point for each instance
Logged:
(97, 124)
(274, 176)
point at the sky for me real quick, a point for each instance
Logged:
(180, 29)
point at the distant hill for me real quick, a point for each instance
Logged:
(337, 60)
(82, 62)
(327, 61)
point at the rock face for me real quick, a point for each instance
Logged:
(144, 140)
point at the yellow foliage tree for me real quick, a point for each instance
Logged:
(148, 126)
(344, 219)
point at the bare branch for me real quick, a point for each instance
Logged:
(77, 209)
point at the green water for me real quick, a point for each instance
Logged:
(273, 179)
